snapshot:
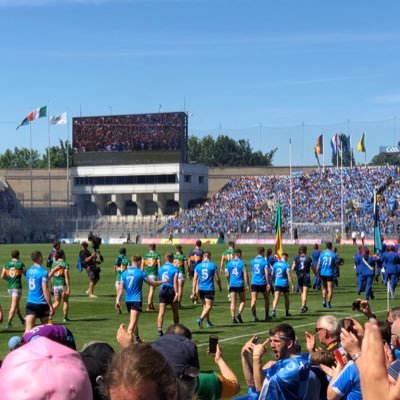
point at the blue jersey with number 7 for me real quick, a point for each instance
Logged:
(133, 279)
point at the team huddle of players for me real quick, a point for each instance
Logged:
(269, 274)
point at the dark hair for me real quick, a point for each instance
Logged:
(238, 252)
(329, 245)
(179, 248)
(286, 329)
(152, 246)
(60, 254)
(179, 329)
(260, 250)
(231, 244)
(136, 259)
(315, 247)
(208, 254)
(169, 256)
(269, 252)
(122, 250)
(15, 254)
(36, 256)
(198, 243)
(303, 249)
(386, 331)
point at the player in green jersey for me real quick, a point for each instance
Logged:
(150, 264)
(180, 261)
(12, 272)
(120, 265)
(61, 284)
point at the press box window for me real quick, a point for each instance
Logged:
(188, 178)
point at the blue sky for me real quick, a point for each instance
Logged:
(254, 69)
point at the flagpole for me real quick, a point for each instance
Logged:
(68, 183)
(323, 153)
(337, 150)
(48, 158)
(30, 163)
(365, 152)
(291, 189)
(341, 187)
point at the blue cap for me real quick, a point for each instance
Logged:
(14, 342)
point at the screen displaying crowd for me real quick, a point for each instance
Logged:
(142, 132)
(248, 203)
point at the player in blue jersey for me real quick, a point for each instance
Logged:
(315, 257)
(303, 265)
(169, 291)
(203, 283)
(282, 279)
(238, 279)
(132, 281)
(259, 283)
(326, 270)
(38, 304)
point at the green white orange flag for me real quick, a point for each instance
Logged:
(278, 230)
(35, 114)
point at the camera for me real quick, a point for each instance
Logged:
(96, 240)
(356, 305)
(212, 344)
(255, 340)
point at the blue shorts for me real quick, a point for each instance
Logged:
(134, 305)
(166, 295)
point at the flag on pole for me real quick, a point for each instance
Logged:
(335, 144)
(278, 230)
(361, 144)
(319, 147)
(35, 114)
(347, 145)
(377, 228)
(60, 119)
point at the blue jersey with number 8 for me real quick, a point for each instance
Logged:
(35, 276)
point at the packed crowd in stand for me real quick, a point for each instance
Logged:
(336, 362)
(129, 132)
(247, 204)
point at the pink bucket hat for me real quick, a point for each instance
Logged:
(44, 369)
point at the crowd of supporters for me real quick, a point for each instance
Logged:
(128, 132)
(248, 203)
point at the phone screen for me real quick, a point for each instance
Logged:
(212, 344)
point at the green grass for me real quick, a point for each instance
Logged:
(96, 319)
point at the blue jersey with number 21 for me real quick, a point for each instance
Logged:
(327, 263)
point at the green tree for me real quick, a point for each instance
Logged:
(386, 158)
(20, 158)
(226, 152)
(58, 155)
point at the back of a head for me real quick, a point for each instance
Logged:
(140, 367)
(329, 245)
(331, 324)
(44, 369)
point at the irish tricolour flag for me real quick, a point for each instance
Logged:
(35, 114)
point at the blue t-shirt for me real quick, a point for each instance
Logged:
(327, 263)
(290, 379)
(280, 269)
(168, 271)
(365, 270)
(205, 272)
(35, 276)
(357, 262)
(259, 266)
(235, 268)
(315, 257)
(347, 384)
(133, 279)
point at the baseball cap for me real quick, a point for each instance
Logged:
(58, 333)
(44, 369)
(14, 342)
(181, 353)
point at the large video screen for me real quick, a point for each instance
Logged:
(130, 139)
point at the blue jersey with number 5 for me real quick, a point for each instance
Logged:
(35, 276)
(327, 263)
(258, 267)
(167, 271)
(280, 269)
(205, 272)
(235, 268)
(133, 279)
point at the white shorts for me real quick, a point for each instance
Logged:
(153, 277)
(15, 292)
(59, 290)
(181, 276)
(117, 284)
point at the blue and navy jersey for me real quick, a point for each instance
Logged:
(195, 257)
(205, 272)
(327, 263)
(290, 379)
(235, 268)
(169, 271)
(302, 265)
(315, 257)
(271, 260)
(391, 262)
(35, 276)
(347, 384)
(258, 267)
(133, 279)
(280, 272)
(357, 262)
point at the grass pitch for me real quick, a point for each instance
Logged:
(96, 319)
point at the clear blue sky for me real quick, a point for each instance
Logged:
(235, 64)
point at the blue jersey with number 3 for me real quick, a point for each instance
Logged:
(167, 271)
(35, 276)
(258, 267)
(235, 268)
(133, 279)
(205, 271)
